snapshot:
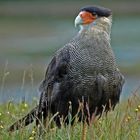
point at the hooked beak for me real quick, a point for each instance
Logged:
(85, 18)
(78, 21)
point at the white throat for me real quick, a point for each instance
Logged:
(102, 24)
(86, 26)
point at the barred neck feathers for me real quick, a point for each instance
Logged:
(101, 25)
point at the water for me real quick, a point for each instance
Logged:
(34, 41)
(131, 85)
(126, 40)
(17, 94)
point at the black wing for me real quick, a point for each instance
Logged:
(55, 82)
(55, 74)
(56, 71)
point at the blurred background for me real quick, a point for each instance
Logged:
(32, 30)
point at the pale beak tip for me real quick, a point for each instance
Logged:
(78, 21)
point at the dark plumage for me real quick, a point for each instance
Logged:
(84, 70)
(97, 10)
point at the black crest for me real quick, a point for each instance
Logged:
(100, 11)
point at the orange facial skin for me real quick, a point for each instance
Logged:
(87, 17)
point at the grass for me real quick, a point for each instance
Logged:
(121, 124)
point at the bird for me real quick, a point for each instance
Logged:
(83, 71)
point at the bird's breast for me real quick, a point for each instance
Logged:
(88, 57)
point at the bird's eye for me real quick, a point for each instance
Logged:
(95, 15)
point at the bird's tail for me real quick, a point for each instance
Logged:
(26, 120)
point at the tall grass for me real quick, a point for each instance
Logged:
(121, 124)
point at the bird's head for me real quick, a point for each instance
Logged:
(94, 15)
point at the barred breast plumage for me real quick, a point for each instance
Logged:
(90, 57)
(84, 70)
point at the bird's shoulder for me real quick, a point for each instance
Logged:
(56, 69)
